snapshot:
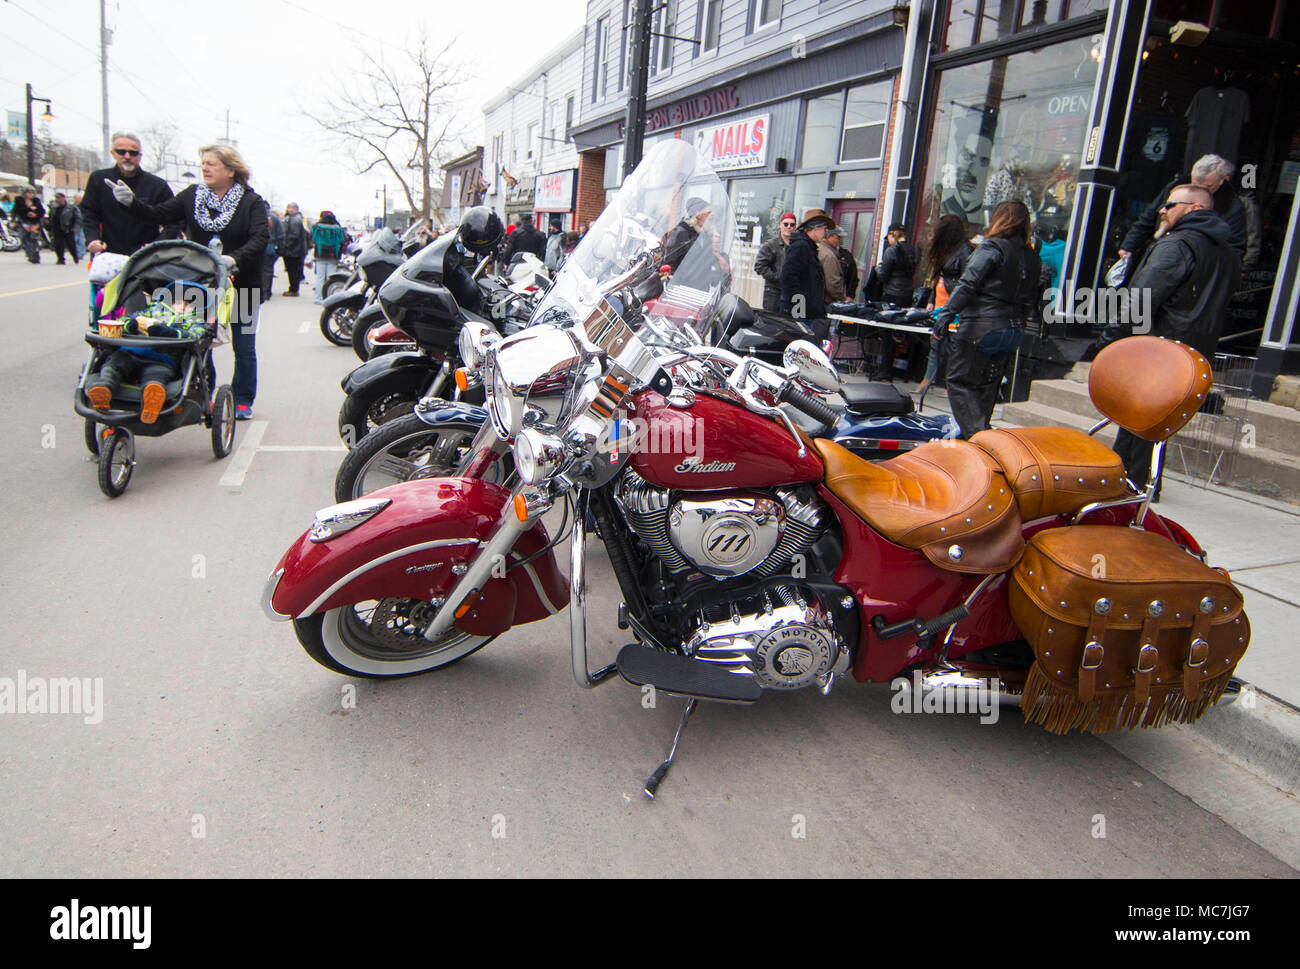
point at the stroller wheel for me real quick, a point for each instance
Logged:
(223, 421)
(92, 437)
(116, 461)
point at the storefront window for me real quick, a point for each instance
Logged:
(821, 132)
(865, 112)
(856, 184)
(809, 193)
(1010, 128)
(758, 204)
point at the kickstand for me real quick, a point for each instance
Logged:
(661, 771)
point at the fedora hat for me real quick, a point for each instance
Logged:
(815, 217)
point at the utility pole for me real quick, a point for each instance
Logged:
(634, 123)
(105, 38)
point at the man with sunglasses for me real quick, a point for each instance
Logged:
(107, 225)
(769, 260)
(1189, 274)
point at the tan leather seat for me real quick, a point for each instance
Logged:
(1054, 470)
(949, 500)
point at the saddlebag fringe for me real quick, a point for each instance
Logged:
(1059, 710)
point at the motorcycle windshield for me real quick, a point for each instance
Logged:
(674, 204)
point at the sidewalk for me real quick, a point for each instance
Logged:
(1258, 541)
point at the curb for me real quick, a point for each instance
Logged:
(1256, 732)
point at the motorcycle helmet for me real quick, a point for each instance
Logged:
(481, 230)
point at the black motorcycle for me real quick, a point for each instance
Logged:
(430, 298)
(374, 264)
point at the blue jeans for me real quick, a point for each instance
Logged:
(243, 340)
(323, 268)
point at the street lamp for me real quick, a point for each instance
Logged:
(47, 116)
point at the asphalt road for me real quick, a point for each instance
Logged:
(224, 750)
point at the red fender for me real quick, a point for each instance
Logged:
(408, 550)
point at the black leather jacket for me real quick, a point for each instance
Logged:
(1191, 272)
(897, 271)
(998, 289)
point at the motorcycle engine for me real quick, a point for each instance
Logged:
(787, 642)
(780, 634)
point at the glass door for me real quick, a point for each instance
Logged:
(855, 218)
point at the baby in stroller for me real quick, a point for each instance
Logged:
(176, 313)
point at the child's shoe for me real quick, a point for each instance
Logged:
(100, 397)
(151, 401)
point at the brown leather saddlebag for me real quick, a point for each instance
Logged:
(1127, 628)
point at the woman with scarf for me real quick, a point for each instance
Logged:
(223, 207)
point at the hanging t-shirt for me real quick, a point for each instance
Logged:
(1155, 143)
(1215, 119)
(1052, 255)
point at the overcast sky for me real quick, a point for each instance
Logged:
(183, 62)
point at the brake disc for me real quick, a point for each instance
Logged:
(399, 624)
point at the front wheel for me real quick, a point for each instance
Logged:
(336, 323)
(116, 462)
(223, 421)
(404, 450)
(359, 345)
(382, 639)
(91, 433)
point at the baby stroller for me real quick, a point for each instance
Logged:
(196, 274)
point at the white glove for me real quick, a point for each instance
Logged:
(122, 192)
(228, 262)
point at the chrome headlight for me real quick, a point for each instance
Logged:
(475, 339)
(533, 375)
(537, 455)
(500, 402)
(333, 521)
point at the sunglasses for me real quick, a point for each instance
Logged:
(791, 224)
(126, 152)
(1169, 205)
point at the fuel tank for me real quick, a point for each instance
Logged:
(713, 445)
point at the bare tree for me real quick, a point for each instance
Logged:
(400, 116)
(159, 141)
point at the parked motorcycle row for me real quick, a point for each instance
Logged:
(735, 479)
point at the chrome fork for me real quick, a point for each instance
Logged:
(578, 604)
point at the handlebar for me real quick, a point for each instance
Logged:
(806, 404)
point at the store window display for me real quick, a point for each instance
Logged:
(1010, 129)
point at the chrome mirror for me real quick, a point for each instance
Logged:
(812, 365)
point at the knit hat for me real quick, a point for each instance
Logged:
(787, 215)
(695, 206)
(815, 217)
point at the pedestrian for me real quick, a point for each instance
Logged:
(995, 295)
(848, 265)
(30, 214)
(107, 225)
(947, 257)
(294, 248)
(526, 239)
(79, 235)
(273, 246)
(6, 205)
(1212, 173)
(682, 236)
(328, 239)
(803, 282)
(64, 222)
(767, 264)
(1190, 273)
(555, 244)
(225, 207)
(828, 253)
(898, 267)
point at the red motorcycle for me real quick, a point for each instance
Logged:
(752, 556)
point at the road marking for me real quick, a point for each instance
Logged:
(42, 289)
(302, 447)
(243, 458)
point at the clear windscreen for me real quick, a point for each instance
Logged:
(673, 200)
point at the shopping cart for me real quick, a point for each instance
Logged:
(1205, 451)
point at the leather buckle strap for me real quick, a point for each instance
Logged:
(1093, 654)
(1198, 654)
(1148, 654)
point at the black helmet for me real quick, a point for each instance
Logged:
(481, 230)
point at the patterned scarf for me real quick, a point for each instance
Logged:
(213, 214)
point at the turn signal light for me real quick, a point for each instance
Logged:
(462, 379)
(521, 508)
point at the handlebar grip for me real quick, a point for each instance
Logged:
(814, 408)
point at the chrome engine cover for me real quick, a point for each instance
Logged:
(726, 536)
(789, 645)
